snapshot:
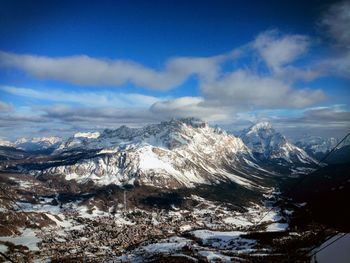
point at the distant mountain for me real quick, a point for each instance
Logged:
(6, 143)
(23, 147)
(173, 154)
(43, 145)
(316, 146)
(270, 146)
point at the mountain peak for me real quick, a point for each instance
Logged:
(191, 121)
(263, 125)
(267, 143)
(167, 134)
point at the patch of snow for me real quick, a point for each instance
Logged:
(113, 150)
(238, 221)
(276, 227)
(150, 161)
(169, 245)
(224, 240)
(3, 248)
(27, 238)
(184, 228)
(53, 218)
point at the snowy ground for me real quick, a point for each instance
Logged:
(209, 230)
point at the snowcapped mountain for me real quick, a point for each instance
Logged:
(269, 145)
(23, 148)
(317, 146)
(173, 154)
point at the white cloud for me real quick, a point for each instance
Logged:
(278, 50)
(85, 70)
(246, 90)
(337, 23)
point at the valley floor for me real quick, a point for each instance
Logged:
(43, 228)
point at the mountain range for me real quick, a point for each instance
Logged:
(172, 154)
(316, 146)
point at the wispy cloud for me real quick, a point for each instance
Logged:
(86, 98)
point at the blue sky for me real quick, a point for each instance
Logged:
(87, 65)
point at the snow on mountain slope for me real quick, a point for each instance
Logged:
(177, 153)
(268, 144)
